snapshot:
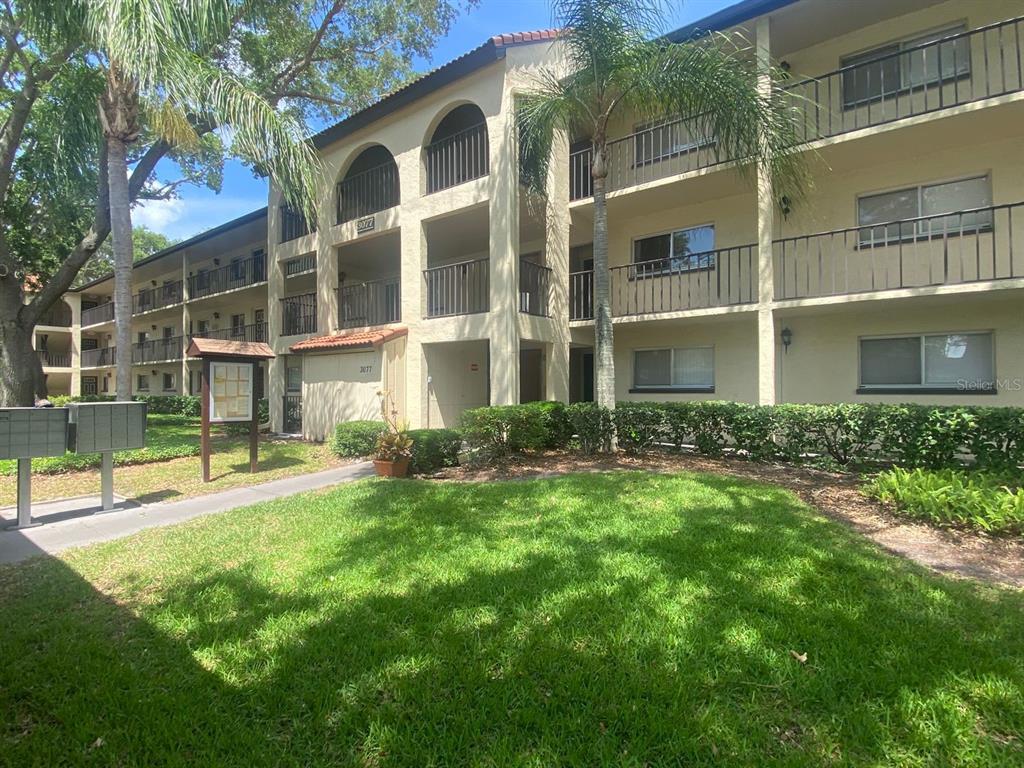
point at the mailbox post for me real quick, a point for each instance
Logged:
(25, 434)
(104, 428)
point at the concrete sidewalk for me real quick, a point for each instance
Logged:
(71, 524)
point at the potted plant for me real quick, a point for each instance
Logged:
(394, 446)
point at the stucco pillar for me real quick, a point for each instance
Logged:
(74, 302)
(556, 254)
(413, 253)
(186, 322)
(503, 189)
(765, 228)
(326, 267)
(275, 292)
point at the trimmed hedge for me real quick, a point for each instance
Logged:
(956, 498)
(356, 438)
(434, 449)
(927, 436)
(501, 430)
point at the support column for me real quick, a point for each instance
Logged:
(186, 321)
(275, 291)
(413, 255)
(326, 269)
(556, 254)
(74, 301)
(765, 229)
(503, 188)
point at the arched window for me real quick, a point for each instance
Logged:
(458, 149)
(370, 184)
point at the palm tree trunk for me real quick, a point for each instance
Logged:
(604, 346)
(121, 242)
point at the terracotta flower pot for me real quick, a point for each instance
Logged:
(397, 468)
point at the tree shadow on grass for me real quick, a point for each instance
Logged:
(589, 620)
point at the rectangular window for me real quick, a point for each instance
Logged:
(88, 385)
(658, 141)
(237, 325)
(142, 382)
(294, 378)
(901, 67)
(927, 202)
(168, 382)
(106, 383)
(943, 361)
(681, 368)
(679, 251)
(204, 326)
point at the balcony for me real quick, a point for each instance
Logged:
(300, 265)
(956, 248)
(251, 332)
(238, 274)
(298, 314)
(99, 358)
(534, 289)
(58, 316)
(158, 350)
(458, 158)
(104, 313)
(377, 302)
(726, 277)
(915, 80)
(368, 192)
(166, 295)
(293, 224)
(54, 359)
(458, 289)
(956, 69)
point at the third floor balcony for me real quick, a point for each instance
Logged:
(918, 76)
(101, 313)
(240, 273)
(166, 295)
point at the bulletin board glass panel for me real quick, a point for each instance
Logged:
(230, 392)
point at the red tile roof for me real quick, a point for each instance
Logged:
(518, 38)
(229, 348)
(349, 340)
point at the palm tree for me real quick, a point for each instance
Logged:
(157, 80)
(617, 64)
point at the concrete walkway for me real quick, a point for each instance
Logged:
(76, 522)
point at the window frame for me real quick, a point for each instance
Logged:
(637, 272)
(139, 379)
(904, 45)
(163, 381)
(925, 388)
(918, 235)
(90, 385)
(670, 389)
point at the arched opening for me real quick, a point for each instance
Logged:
(458, 149)
(58, 315)
(370, 184)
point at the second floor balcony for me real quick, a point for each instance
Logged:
(377, 302)
(240, 273)
(99, 358)
(250, 332)
(462, 288)
(54, 359)
(720, 278)
(102, 313)
(158, 350)
(298, 314)
(534, 288)
(159, 297)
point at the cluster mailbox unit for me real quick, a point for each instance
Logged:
(104, 427)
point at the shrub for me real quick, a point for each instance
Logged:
(434, 449)
(591, 425)
(501, 430)
(556, 422)
(956, 498)
(639, 426)
(356, 438)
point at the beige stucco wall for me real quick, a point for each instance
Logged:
(457, 380)
(338, 388)
(821, 364)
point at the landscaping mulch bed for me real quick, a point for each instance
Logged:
(961, 554)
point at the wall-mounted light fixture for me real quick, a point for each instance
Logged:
(787, 338)
(216, 262)
(153, 282)
(153, 327)
(216, 315)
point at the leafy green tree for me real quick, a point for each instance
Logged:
(617, 63)
(309, 59)
(145, 242)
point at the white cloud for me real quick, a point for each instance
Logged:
(184, 217)
(158, 215)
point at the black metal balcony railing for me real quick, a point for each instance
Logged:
(237, 274)
(298, 314)
(158, 350)
(293, 224)
(956, 69)
(458, 158)
(54, 359)
(251, 332)
(104, 313)
(300, 265)
(947, 249)
(534, 288)
(99, 358)
(367, 192)
(719, 278)
(458, 289)
(58, 316)
(166, 295)
(376, 302)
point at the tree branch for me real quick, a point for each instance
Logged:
(292, 71)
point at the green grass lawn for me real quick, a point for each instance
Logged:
(592, 620)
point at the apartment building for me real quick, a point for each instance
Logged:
(432, 275)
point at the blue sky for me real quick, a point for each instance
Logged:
(200, 209)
